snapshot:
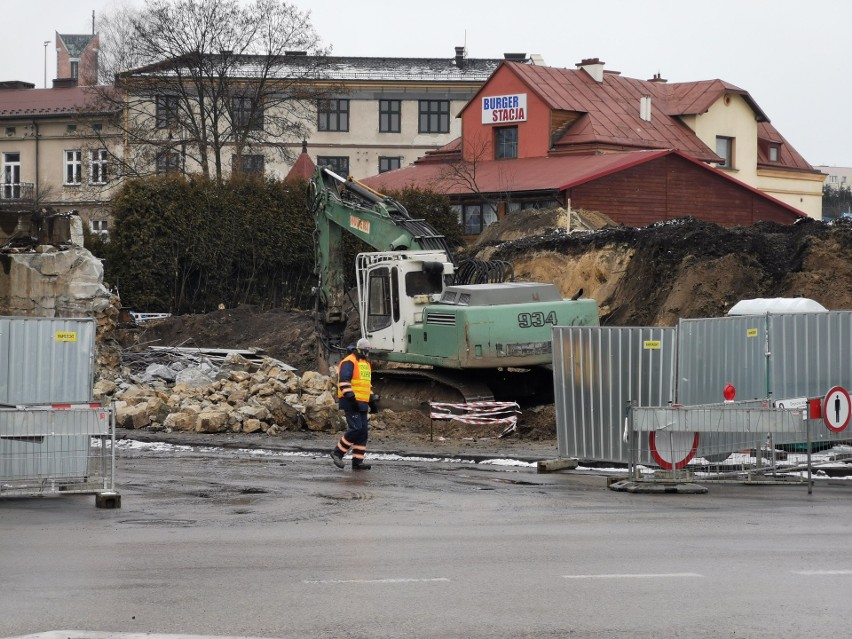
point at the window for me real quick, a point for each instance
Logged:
(167, 109)
(333, 115)
(101, 227)
(389, 163)
(389, 114)
(505, 142)
(97, 127)
(11, 176)
(246, 114)
(248, 164)
(434, 116)
(75, 66)
(71, 128)
(526, 205)
(168, 161)
(475, 217)
(339, 165)
(380, 301)
(725, 150)
(98, 173)
(774, 152)
(73, 166)
(10, 131)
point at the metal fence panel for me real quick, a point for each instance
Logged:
(810, 353)
(43, 449)
(598, 371)
(46, 360)
(717, 351)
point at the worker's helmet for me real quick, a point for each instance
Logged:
(363, 345)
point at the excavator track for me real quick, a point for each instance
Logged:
(412, 388)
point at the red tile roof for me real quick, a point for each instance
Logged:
(788, 156)
(303, 169)
(16, 103)
(541, 174)
(610, 111)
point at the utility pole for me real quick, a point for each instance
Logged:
(46, 42)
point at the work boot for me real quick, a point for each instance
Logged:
(359, 465)
(337, 458)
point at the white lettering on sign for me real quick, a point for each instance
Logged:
(504, 108)
(361, 225)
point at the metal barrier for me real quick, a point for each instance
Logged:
(675, 439)
(60, 448)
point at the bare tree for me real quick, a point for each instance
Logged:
(218, 77)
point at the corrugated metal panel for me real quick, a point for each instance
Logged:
(717, 351)
(598, 371)
(810, 353)
(48, 443)
(46, 360)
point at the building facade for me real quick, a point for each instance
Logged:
(536, 136)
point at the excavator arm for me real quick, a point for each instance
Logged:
(343, 205)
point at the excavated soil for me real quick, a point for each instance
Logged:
(640, 277)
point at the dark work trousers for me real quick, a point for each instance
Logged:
(357, 426)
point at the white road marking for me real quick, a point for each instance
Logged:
(372, 581)
(822, 572)
(665, 575)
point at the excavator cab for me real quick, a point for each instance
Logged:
(393, 288)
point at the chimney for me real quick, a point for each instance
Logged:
(461, 54)
(594, 67)
(515, 57)
(658, 78)
(645, 108)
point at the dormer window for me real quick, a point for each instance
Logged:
(774, 152)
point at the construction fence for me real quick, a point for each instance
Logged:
(652, 397)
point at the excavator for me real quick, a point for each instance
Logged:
(459, 325)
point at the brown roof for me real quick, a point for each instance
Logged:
(694, 98)
(304, 167)
(610, 111)
(540, 174)
(18, 103)
(788, 156)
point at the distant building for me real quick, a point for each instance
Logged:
(638, 151)
(77, 59)
(838, 176)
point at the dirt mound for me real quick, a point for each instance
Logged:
(287, 335)
(688, 268)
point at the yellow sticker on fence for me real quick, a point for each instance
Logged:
(752, 332)
(66, 336)
(652, 344)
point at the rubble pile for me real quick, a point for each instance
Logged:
(237, 396)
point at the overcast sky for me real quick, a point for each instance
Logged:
(793, 57)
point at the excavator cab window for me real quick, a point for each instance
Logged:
(383, 301)
(423, 283)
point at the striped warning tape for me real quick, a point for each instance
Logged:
(477, 413)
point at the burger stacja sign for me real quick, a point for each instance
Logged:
(501, 109)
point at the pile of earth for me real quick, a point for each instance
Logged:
(649, 276)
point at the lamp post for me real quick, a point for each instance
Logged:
(46, 42)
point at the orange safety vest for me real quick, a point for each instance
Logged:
(361, 379)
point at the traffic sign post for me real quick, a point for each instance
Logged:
(836, 409)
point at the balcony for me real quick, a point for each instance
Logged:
(17, 195)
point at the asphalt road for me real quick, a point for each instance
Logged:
(237, 543)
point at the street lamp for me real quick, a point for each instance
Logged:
(46, 42)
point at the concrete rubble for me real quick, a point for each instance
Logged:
(237, 396)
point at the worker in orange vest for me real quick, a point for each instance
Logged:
(356, 400)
